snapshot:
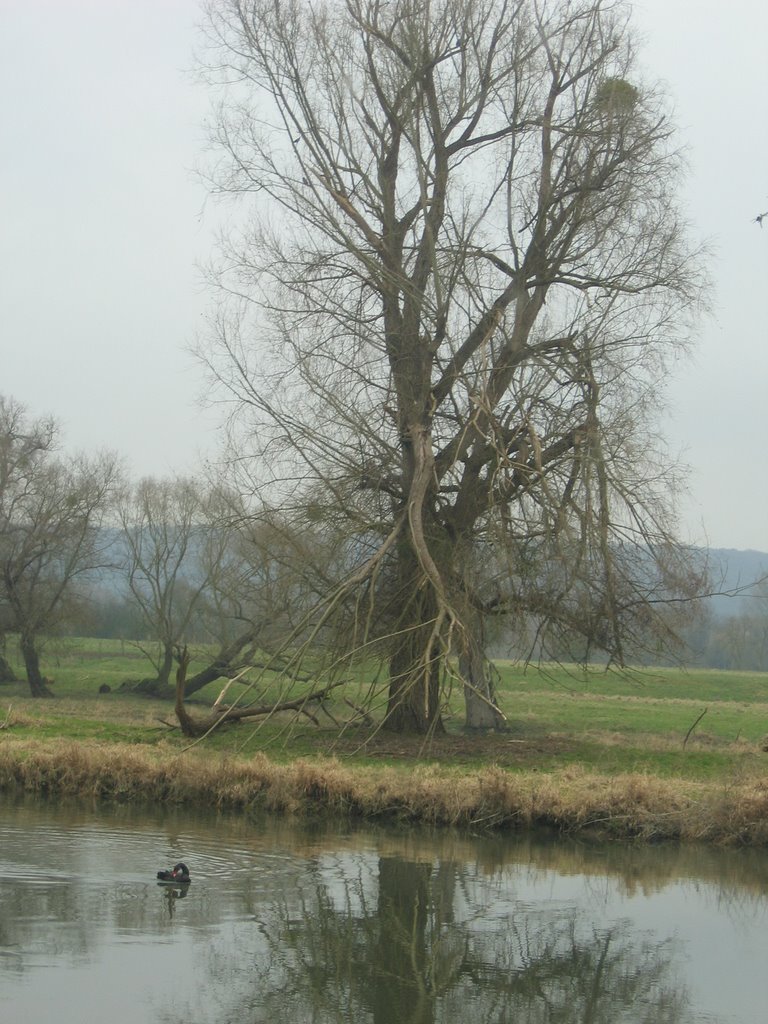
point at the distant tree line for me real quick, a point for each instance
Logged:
(158, 562)
(737, 642)
(52, 508)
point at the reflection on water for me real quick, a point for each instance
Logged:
(284, 924)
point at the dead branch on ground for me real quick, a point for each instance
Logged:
(226, 713)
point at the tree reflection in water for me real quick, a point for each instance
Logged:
(414, 952)
(287, 924)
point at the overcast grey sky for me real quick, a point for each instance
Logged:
(102, 224)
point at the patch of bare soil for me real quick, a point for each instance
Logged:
(494, 748)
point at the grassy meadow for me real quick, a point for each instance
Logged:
(653, 753)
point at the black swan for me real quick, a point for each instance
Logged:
(179, 875)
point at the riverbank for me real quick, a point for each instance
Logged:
(626, 806)
(650, 755)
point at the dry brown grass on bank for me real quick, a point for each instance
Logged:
(623, 806)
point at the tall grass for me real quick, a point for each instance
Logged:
(627, 806)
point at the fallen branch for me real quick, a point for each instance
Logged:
(687, 735)
(195, 727)
(361, 713)
(222, 695)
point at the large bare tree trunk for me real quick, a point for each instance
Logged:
(414, 667)
(37, 685)
(414, 687)
(482, 712)
(159, 685)
(164, 670)
(225, 663)
(7, 675)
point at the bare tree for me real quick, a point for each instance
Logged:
(7, 674)
(173, 551)
(269, 576)
(446, 323)
(51, 511)
(198, 567)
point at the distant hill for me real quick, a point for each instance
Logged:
(730, 570)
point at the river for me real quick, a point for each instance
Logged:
(284, 923)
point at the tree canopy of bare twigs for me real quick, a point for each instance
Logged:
(266, 578)
(446, 318)
(51, 511)
(175, 550)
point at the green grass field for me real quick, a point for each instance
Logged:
(640, 721)
(642, 755)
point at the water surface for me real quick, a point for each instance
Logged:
(289, 924)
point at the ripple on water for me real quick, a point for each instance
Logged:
(121, 860)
